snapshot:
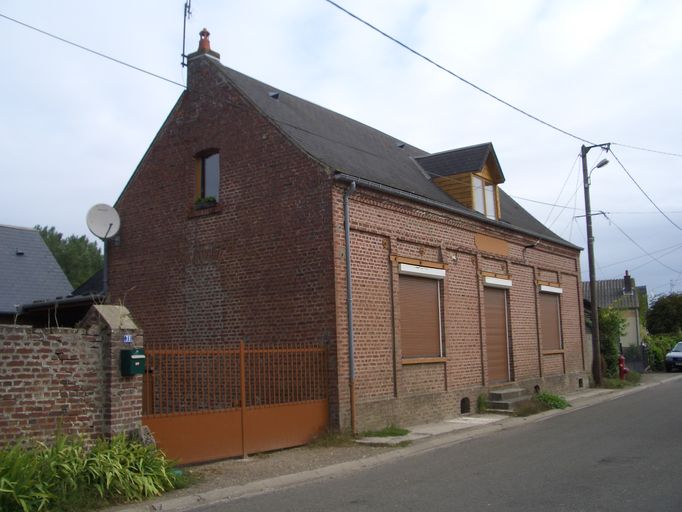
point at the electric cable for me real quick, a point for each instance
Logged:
(642, 191)
(85, 48)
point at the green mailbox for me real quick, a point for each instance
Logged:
(132, 361)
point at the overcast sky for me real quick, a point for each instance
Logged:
(73, 126)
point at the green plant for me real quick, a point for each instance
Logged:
(611, 328)
(389, 431)
(613, 383)
(65, 476)
(21, 483)
(202, 202)
(633, 377)
(481, 403)
(332, 440)
(130, 470)
(658, 346)
(551, 400)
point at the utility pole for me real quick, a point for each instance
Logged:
(596, 349)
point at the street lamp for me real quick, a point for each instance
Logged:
(594, 305)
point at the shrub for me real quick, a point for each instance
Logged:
(66, 476)
(552, 401)
(658, 346)
(611, 328)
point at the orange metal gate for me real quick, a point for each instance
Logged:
(221, 402)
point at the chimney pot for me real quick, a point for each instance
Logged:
(204, 42)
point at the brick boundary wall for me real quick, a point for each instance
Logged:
(68, 380)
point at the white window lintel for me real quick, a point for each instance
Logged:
(497, 282)
(419, 271)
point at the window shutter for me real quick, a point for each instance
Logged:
(550, 324)
(419, 317)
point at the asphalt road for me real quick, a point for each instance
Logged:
(620, 455)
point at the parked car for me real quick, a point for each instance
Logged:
(673, 359)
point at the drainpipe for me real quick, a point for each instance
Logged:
(349, 303)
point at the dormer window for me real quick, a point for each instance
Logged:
(469, 175)
(207, 177)
(484, 197)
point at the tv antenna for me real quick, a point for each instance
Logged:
(187, 15)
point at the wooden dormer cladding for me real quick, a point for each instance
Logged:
(464, 174)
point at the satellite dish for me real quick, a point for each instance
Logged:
(103, 221)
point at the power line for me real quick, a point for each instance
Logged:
(99, 54)
(642, 191)
(480, 89)
(639, 148)
(639, 246)
(568, 176)
(458, 77)
(665, 251)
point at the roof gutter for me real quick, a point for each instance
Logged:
(442, 206)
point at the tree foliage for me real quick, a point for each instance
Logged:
(78, 257)
(611, 328)
(665, 315)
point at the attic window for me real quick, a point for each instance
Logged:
(485, 197)
(207, 177)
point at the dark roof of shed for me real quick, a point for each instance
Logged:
(352, 148)
(28, 270)
(457, 161)
(611, 292)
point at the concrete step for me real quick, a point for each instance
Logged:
(504, 394)
(505, 400)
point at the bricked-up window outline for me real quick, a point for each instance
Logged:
(207, 175)
(549, 306)
(421, 311)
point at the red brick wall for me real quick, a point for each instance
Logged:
(64, 380)
(388, 391)
(259, 266)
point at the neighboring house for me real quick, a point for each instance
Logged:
(28, 271)
(623, 295)
(65, 311)
(233, 227)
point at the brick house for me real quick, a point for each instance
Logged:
(241, 217)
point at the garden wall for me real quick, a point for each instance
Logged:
(69, 380)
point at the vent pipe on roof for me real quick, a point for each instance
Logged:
(19, 252)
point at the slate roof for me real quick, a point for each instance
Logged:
(457, 161)
(610, 292)
(354, 149)
(28, 270)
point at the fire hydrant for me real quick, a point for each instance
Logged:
(622, 370)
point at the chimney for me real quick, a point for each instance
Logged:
(627, 281)
(204, 47)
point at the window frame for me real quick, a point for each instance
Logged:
(484, 192)
(544, 292)
(424, 273)
(201, 193)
